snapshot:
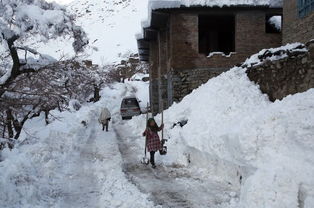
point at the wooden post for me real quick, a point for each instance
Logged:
(159, 73)
(162, 122)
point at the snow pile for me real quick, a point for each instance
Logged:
(235, 133)
(68, 164)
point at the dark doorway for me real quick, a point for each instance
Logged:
(216, 34)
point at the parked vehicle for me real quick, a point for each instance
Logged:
(130, 107)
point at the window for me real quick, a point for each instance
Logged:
(273, 24)
(305, 7)
(216, 34)
(130, 102)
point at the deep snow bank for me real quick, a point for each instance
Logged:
(235, 133)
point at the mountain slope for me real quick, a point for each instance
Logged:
(111, 26)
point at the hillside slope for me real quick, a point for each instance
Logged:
(111, 26)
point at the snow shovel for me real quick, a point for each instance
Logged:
(145, 160)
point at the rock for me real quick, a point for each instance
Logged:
(304, 60)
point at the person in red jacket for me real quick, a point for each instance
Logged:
(153, 143)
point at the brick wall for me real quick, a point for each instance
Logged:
(296, 29)
(250, 38)
(251, 34)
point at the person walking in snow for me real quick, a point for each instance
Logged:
(104, 118)
(153, 143)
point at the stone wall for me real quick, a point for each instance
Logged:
(185, 81)
(296, 29)
(287, 76)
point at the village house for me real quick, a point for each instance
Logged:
(298, 25)
(186, 44)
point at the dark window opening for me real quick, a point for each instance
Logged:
(273, 23)
(216, 34)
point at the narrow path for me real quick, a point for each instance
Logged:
(171, 187)
(92, 176)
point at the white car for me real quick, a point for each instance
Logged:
(130, 107)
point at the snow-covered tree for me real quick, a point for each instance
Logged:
(26, 86)
(22, 19)
(51, 87)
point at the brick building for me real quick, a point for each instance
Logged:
(186, 46)
(298, 23)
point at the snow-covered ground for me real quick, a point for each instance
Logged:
(237, 148)
(66, 164)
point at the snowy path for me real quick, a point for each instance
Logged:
(170, 186)
(70, 166)
(83, 187)
(95, 176)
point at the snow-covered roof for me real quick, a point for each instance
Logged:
(172, 4)
(161, 4)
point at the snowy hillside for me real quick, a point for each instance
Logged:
(111, 26)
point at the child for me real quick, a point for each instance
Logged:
(153, 143)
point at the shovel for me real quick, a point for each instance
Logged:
(145, 160)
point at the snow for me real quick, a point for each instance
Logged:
(234, 136)
(276, 21)
(63, 2)
(233, 130)
(5, 76)
(161, 4)
(110, 25)
(221, 54)
(276, 53)
(66, 164)
(237, 147)
(169, 4)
